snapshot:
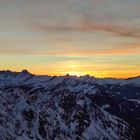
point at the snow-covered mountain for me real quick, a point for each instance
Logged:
(68, 107)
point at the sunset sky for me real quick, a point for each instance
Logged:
(56, 37)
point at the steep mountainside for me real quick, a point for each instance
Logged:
(68, 107)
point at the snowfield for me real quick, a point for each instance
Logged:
(63, 108)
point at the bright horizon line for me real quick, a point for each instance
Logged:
(78, 37)
(77, 75)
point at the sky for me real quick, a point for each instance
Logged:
(55, 37)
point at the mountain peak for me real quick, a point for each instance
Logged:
(7, 72)
(25, 71)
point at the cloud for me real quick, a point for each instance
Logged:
(85, 16)
(93, 52)
(91, 27)
(72, 15)
(73, 51)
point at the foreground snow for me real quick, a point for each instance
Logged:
(56, 108)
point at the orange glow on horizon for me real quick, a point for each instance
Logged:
(106, 74)
(80, 69)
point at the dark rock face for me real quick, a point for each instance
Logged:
(58, 115)
(67, 108)
(119, 99)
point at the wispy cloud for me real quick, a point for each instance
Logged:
(87, 16)
(121, 17)
(73, 51)
(85, 26)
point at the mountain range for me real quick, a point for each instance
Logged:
(35, 107)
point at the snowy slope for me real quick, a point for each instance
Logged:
(57, 108)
